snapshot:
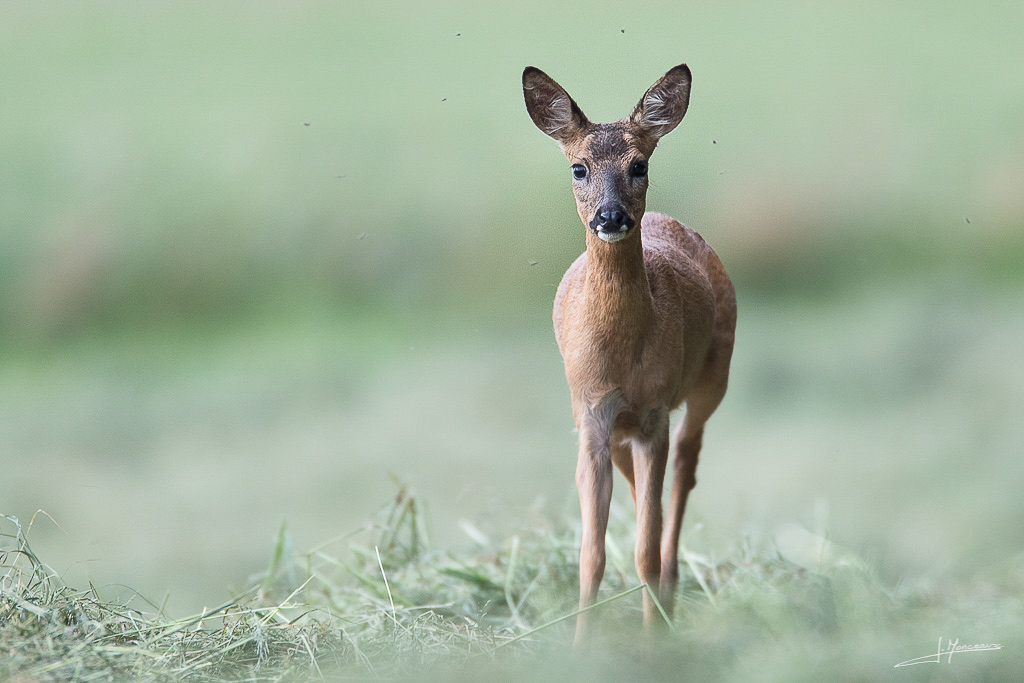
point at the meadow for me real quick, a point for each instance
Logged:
(259, 263)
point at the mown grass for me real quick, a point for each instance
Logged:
(383, 603)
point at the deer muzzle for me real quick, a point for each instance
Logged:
(611, 222)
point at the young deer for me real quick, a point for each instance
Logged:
(645, 321)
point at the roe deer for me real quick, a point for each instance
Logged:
(645, 320)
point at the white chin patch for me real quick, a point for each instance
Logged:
(613, 236)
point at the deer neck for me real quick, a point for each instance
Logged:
(618, 292)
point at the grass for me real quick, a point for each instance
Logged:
(383, 603)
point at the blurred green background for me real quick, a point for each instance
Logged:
(257, 258)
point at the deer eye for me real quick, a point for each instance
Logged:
(638, 169)
(579, 171)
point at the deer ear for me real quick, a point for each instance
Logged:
(663, 105)
(550, 106)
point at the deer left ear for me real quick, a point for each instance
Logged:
(664, 104)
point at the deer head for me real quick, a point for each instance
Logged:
(608, 160)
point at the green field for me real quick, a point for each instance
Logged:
(256, 262)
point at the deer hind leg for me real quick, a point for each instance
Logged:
(701, 402)
(650, 456)
(688, 438)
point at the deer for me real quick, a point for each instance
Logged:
(645, 322)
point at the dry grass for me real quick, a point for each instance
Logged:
(54, 632)
(381, 603)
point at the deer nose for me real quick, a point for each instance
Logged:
(611, 218)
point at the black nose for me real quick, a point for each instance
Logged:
(611, 218)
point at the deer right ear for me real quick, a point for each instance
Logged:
(550, 106)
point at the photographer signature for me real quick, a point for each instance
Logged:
(952, 647)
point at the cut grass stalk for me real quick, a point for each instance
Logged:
(380, 564)
(657, 603)
(184, 625)
(564, 617)
(691, 562)
(510, 573)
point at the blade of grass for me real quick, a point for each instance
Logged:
(205, 615)
(380, 564)
(510, 576)
(312, 656)
(661, 610)
(275, 559)
(691, 563)
(570, 615)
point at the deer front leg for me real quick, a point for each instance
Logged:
(650, 455)
(594, 483)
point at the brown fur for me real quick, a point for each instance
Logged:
(645, 321)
